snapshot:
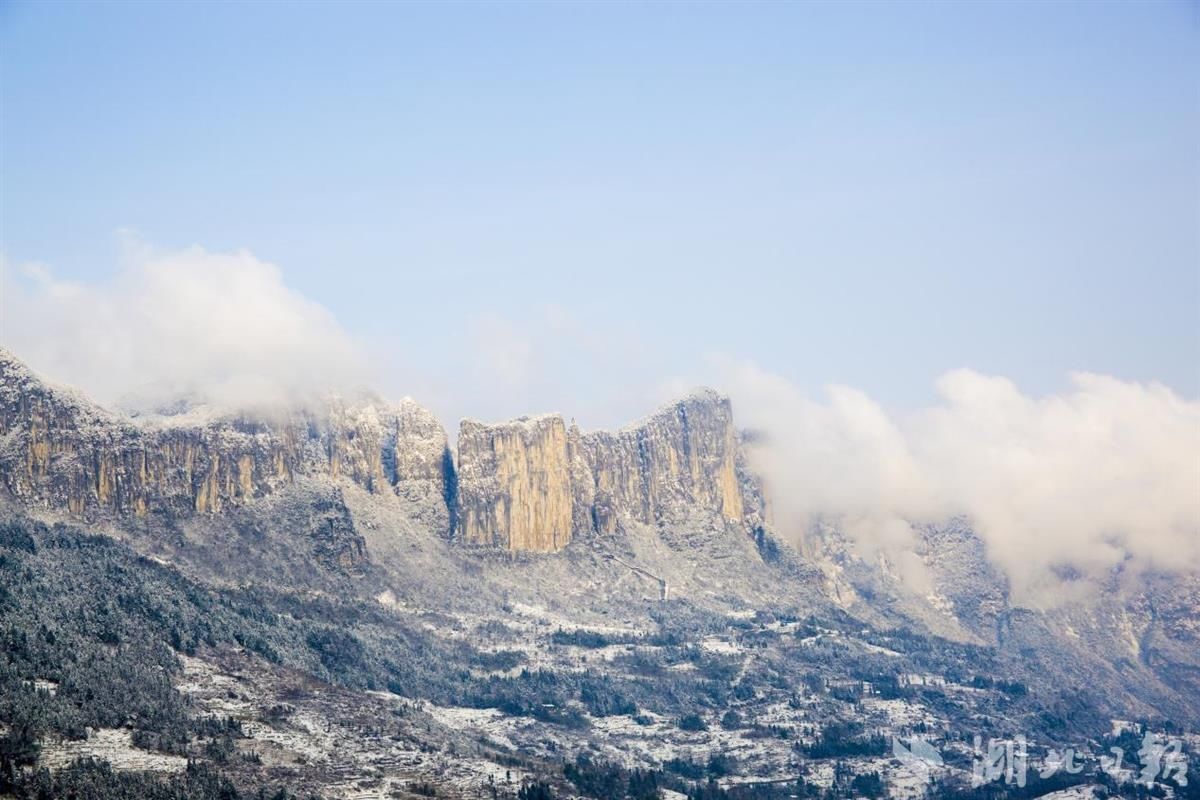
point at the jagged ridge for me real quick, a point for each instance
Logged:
(531, 484)
(59, 450)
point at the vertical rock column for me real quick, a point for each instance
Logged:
(514, 484)
(683, 457)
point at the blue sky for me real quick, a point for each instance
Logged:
(869, 194)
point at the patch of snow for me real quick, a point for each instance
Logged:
(114, 745)
(714, 644)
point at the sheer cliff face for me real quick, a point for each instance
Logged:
(59, 451)
(514, 484)
(533, 484)
(417, 458)
(682, 458)
(527, 485)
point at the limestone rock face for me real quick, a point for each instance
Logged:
(57, 450)
(355, 443)
(514, 484)
(533, 484)
(683, 457)
(418, 462)
(527, 485)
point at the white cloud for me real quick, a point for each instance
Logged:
(223, 327)
(1104, 475)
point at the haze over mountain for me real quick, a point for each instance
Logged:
(1098, 477)
(644, 539)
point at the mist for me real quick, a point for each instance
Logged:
(1099, 478)
(221, 329)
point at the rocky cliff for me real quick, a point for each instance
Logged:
(58, 450)
(527, 485)
(533, 484)
(514, 484)
(684, 457)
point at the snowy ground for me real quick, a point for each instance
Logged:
(113, 745)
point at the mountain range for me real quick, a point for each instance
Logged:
(335, 599)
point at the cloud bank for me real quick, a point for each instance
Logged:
(1104, 476)
(1101, 477)
(220, 328)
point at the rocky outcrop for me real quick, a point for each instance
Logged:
(533, 484)
(514, 484)
(682, 458)
(418, 455)
(527, 485)
(419, 465)
(58, 450)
